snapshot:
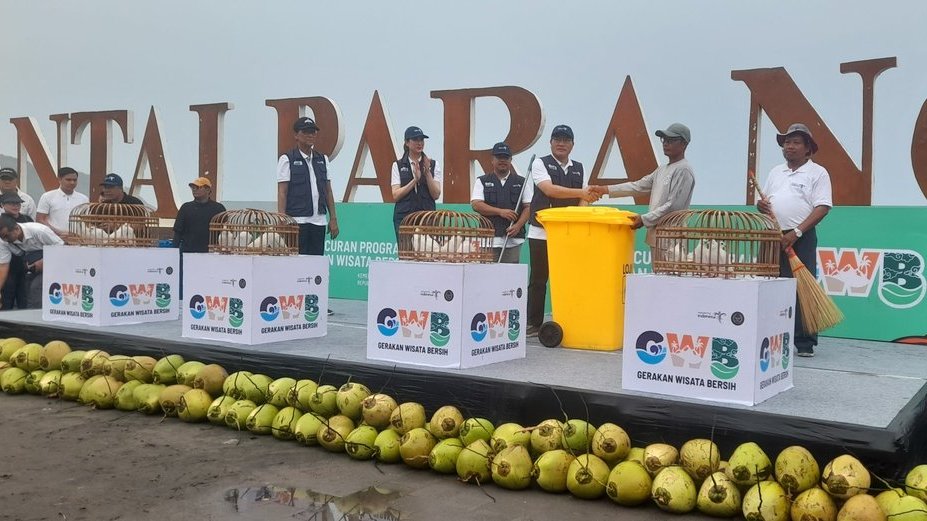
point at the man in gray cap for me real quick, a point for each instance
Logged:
(9, 184)
(670, 186)
(496, 197)
(798, 194)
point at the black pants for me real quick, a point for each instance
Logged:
(806, 248)
(311, 239)
(537, 281)
(15, 290)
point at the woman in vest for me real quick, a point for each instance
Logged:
(416, 179)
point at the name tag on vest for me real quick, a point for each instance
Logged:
(297, 163)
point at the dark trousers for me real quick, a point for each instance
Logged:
(537, 281)
(311, 239)
(806, 248)
(16, 287)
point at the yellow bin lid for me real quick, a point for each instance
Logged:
(586, 214)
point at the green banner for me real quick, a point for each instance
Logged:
(870, 260)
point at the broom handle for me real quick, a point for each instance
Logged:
(528, 179)
(756, 186)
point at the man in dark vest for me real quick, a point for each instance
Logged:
(558, 181)
(415, 178)
(496, 197)
(304, 191)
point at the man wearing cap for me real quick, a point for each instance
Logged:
(798, 195)
(113, 191)
(54, 209)
(191, 227)
(670, 186)
(496, 197)
(14, 291)
(25, 240)
(9, 183)
(558, 182)
(415, 178)
(304, 190)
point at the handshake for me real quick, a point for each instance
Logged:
(593, 193)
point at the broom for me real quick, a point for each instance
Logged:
(818, 311)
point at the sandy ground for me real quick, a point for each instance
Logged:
(62, 461)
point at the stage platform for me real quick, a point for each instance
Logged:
(858, 397)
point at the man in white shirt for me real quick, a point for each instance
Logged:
(798, 195)
(496, 196)
(9, 183)
(54, 208)
(27, 240)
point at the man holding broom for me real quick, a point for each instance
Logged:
(496, 197)
(798, 196)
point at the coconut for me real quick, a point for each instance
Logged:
(550, 470)
(887, 497)
(69, 386)
(577, 436)
(359, 444)
(350, 399)
(50, 383)
(148, 397)
(766, 501)
(210, 379)
(628, 484)
(473, 462)
(673, 490)
(27, 357)
(474, 429)
(796, 470)
(52, 354)
(115, 366)
(32, 385)
(277, 391)
(446, 422)
(407, 416)
(193, 405)
(547, 436)
(4, 365)
(218, 408)
(170, 398)
(70, 363)
(324, 401)
(230, 385)
(307, 428)
(376, 410)
(718, 496)
(587, 477)
(700, 458)
(844, 477)
(659, 455)
(443, 457)
(165, 370)
(284, 423)
(125, 396)
(13, 380)
(187, 372)
(261, 419)
(84, 396)
(387, 446)
(915, 482)
(333, 434)
(415, 446)
(636, 454)
(813, 505)
(299, 394)
(611, 443)
(100, 391)
(907, 508)
(10, 346)
(863, 507)
(140, 368)
(509, 434)
(238, 413)
(748, 464)
(255, 387)
(92, 363)
(511, 468)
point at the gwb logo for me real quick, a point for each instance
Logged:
(291, 307)
(55, 294)
(495, 325)
(217, 309)
(414, 324)
(775, 352)
(71, 295)
(119, 295)
(898, 274)
(652, 347)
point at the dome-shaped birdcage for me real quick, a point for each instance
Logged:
(716, 243)
(446, 236)
(112, 225)
(253, 232)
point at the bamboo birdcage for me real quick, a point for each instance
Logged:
(253, 232)
(113, 225)
(446, 236)
(716, 243)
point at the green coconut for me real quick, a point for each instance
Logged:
(813, 505)
(446, 422)
(187, 372)
(407, 416)
(13, 380)
(915, 482)
(33, 380)
(473, 462)
(748, 464)
(443, 457)
(360, 443)
(577, 436)
(887, 497)
(550, 470)
(261, 419)
(611, 443)
(69, 386)
(674, 490)
(148, 397)
(509, 434)
(474, 429)
(324, 401)
(50, 383)
(387, 446)
(350, 400)
(218, 409)
(415, 446)
(844, 477)
(547, 436)
(285, 422)
(165, 370)
(334, 433)
(230, 387)
(52, 354)
(862, 507)
(718, 496)
(766, 501)
(70, 363)
(659, 455)
(907, 508)
(210, 379)
(193, 405)
(125, 396)
(278, 390)
(629, 484)
(115, 366)
(511, 468)
(140, 368)
(10, 346)
(93, 362)
(170, 396)
(100, 391)
(307, 428)
(376, 410)
(27, 357)
(700, 458)
(587, 477)
(796, 470)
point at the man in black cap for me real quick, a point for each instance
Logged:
(25, 240)
(798, 195)
(415, 178)
(504, 198)
(304, 189)
(54, 209)
(9, 184)
(15, 289)
(113, 191)
(558, 182)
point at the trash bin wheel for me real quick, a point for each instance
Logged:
(550, 334)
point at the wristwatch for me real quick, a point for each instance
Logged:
(797, 231)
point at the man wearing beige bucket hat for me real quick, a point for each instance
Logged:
(798, 194)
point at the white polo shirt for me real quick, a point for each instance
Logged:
(538, 175)
(478, 195)
(58, 205)
(283, 176)
(793, 194)
(35, 237)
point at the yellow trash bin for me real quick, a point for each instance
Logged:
(590, 249)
